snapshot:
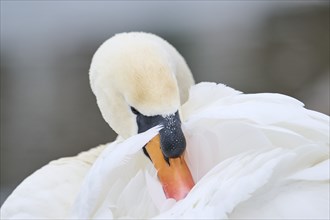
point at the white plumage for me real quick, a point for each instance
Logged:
(251, 155)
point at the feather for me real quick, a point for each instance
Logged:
(95, 185)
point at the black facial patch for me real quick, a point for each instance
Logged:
(172, 140)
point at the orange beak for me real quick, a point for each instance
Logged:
(175, 177)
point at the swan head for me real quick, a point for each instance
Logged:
(140, 81)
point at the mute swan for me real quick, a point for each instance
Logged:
(252, 156)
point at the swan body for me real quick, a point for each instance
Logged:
(252, 156)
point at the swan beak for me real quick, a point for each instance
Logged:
(166, 153)
(174, 175)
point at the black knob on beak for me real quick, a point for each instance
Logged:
(173, 142)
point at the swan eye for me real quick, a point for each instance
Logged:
(135, 112)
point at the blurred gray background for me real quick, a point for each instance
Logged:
(48, 110)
